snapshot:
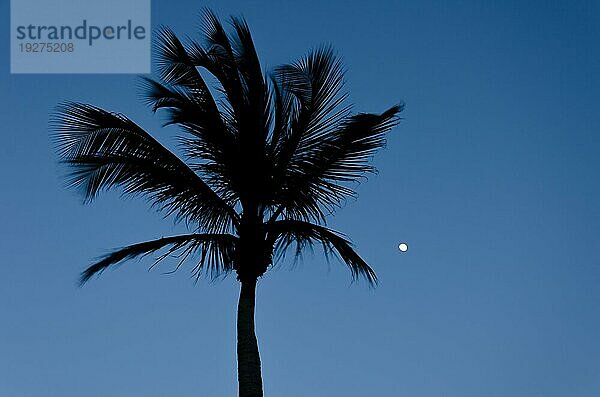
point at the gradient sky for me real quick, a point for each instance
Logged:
(492, 179)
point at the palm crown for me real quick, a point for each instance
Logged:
(265, 160)
(264, 163)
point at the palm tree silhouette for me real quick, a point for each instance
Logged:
(265, 162)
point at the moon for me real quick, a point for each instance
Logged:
(403, 247)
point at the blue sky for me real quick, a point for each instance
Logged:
(492, 179)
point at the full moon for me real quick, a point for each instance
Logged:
(403, 247)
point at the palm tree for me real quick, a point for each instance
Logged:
(265, 161)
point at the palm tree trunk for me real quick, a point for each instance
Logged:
(249, 377)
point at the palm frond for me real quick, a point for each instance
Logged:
(215, 251)
(188, 101)
(106, 150)
(286, 233)
(184, 89)
(342, 156)
(317, 144)
(209, 139)
(174, 65)
(316, 82)
(345, 153)
(216, 55)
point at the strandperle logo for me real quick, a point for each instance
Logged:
(85, 32)
(80, 36)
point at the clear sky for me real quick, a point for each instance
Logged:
(492, 179)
